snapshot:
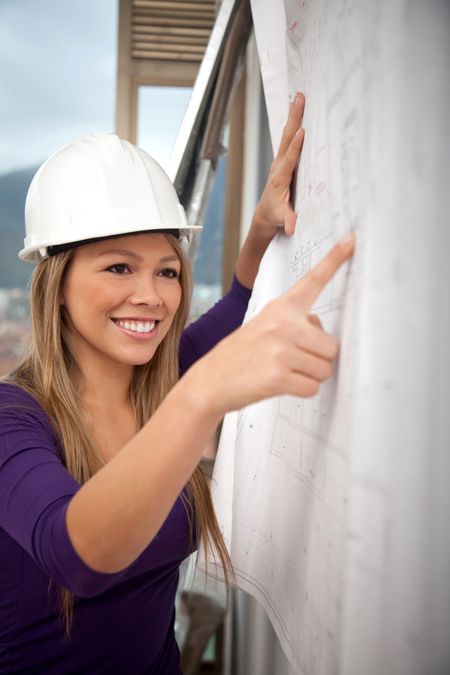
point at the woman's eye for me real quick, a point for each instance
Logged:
(170, 273)
(120, 268)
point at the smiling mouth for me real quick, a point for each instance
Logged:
(136, 326)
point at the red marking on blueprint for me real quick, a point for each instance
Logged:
(320, 188)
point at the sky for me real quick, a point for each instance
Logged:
(57, 81)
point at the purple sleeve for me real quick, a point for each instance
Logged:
(35, 490)
(202, 335)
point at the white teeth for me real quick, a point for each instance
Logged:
(137, 326)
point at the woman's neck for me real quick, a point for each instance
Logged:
(108, 409)
(105, 389)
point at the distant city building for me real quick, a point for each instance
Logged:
(14, 326)
(13, 303)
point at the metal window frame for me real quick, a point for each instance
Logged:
(199, 142)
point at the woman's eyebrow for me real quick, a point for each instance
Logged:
(131, 254)
(122, 251)
(169, 258)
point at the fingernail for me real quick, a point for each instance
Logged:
(298, 98)
(349, 239)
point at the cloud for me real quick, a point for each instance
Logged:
(57, 75)
(58, 79)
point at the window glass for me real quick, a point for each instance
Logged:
(160, 113)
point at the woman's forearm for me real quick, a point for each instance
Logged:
(116, 513)
(251, 253)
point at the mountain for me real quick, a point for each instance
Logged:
(13, 191)
(15, 273)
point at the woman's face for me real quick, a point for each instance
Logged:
(120, 297)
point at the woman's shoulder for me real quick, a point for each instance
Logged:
(17, 402)
(14, 394)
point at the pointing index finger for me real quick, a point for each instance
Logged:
(309, 288)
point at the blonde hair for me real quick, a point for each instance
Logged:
(50, 373)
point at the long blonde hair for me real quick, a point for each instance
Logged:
(51, 374)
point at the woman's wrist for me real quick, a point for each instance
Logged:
(197, 393)
(252, 251)
(262, 225)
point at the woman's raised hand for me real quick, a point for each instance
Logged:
(274, 207)
(283, 350)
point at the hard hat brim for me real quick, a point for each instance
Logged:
(39, 252)
(54, 250)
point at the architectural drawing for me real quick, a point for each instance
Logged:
(334, 508)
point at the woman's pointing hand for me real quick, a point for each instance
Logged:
(283, 350)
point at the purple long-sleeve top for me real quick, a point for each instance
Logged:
(123, 622)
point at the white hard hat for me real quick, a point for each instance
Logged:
(99, 186)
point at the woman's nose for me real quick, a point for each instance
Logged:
(146, 292)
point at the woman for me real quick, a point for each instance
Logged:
(100, 494)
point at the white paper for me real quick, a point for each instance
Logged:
(335, 508)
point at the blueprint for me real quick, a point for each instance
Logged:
(335, 508)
